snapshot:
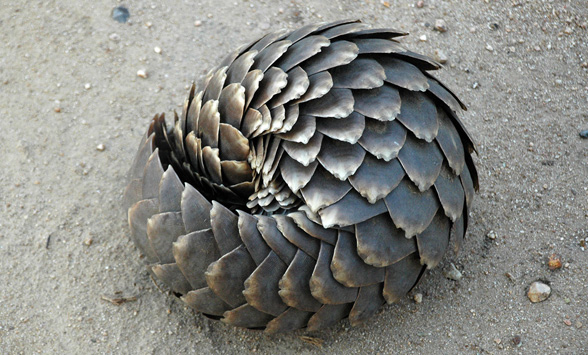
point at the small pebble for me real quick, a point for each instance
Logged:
(420, 4)
(516, 340)
(100, 147)
(554, 262)
(497, 340)
(57, 109)
(418, 298)
(440, 56)
(489, 48)
(452, 273)
(157, 50)
(538, 292)
(491, 235)
(88, 242)
(475, 85)
(141, 73)
(494, 26)
(440, 25)
(87, 86)
(584, 134)
(120, 14)
(578, 324)
(423, 38)
(197, 23)
(114, 37)
(567, 322)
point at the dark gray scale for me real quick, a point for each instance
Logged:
(145, 150)
(170, 191)
(270, 55)
(319, 85)
(341, 159)
(274, 80)
(251, 84)
(298, 83)
(380, 243)
(348, 268)
(162, 230)
(234, 146)
(152, 176)
(338, 53)
(302, 131)
(433, 241)
(422, 161)
(313, 229)
(368, 301)
(337, 103)
(252, 238)
(419, 114)
(349, 130)
(292, 114)
(301, 51)
(226, 275)
(193, 114)
(208, 124)
(382, 103)
(235, 172)
(323, 285)
(343, 30)
(450, 143)
(205, 301)
(351, 209)
(291, 319)
(215, 85)
(362, 73)
(458, 231)
(231, 105)
(195, 210)
(401, 277)
(451, 193)
(239, 68)
(303, 32)
(384, 33)
(295, 174)
(269, 39)
(261, 288)
(173, 278)
(377, 45)
(324, 190)
(212, 164)
(468, 186)
(424, 205)
(403, 74)
(247, 317)
(328, 315)
(383, 139)
(297, 236)
(421, 61)
(193, 253)
(294, 286)
(376, 178)
(270, 233)
(139, 214)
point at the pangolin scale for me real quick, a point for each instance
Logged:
(314, 176)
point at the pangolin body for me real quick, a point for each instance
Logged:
(315, 175)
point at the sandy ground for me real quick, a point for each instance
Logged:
(520, 66)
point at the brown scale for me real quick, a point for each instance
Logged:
(312, 177)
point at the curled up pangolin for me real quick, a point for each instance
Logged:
(314, 175)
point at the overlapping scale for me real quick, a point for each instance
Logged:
(313, 176)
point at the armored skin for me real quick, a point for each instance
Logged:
(312, 176)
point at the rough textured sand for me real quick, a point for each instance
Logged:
(525, 82)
